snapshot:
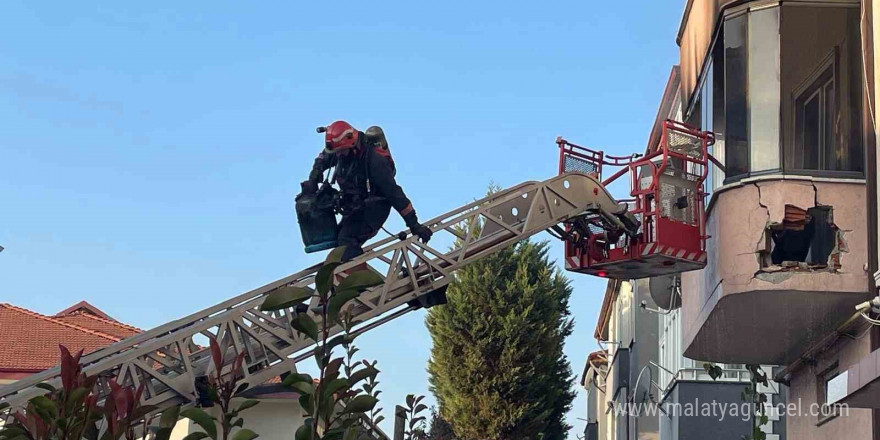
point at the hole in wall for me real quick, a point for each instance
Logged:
(806, 239)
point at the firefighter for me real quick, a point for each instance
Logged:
(364, 171)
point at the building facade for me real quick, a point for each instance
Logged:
(642, 344)
(619, 378)
(788, 89)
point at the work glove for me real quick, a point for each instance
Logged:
(423, 232)
(412, 222)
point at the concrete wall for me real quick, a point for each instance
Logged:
(271, 419)
(633, 331)
(731, 298)
(803, 392)
(694, 38)
(645, 350)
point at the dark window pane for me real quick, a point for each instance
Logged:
(693, 118)
(821, 80)
(833, 159)
(718, 111)
(814, 136)
(706, 98)
(811, 136)
(736, 96)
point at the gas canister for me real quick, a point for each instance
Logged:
(316, 217)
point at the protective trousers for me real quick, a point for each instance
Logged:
(361, 225)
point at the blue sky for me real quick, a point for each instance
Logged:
(149, 154)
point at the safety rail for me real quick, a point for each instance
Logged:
(579, 159)
(683, 155)
(700, 374)
(666, 232)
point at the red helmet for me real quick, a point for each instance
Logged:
(339, 135)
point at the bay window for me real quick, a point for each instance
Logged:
(781, 90)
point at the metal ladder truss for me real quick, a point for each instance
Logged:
(168, 358)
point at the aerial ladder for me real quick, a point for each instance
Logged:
(660, 230)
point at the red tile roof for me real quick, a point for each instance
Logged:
(107, 326)
(84, 306)
(31, 339)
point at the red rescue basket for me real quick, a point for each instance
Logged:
(665, 229)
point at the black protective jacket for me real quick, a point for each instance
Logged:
(368, 172)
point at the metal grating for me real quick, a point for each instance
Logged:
(577, 164)
(669, 195)
(674, 172)
(684, 143)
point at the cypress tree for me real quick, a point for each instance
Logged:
(440, 429)
(497, 367)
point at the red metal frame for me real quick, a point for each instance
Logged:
(664, 245)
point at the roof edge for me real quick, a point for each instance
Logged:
(683, 22)
(84, 305)
(605, 312)
(670, 93)
(106, 321)
(59, 322)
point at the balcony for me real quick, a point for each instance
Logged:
(743, 308)
(677, 423)
(781, 86)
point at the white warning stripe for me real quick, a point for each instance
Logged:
(343, 135)
(654, 248)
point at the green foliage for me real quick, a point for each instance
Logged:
(440, 429)
(334, 402)
(714, 370)
(304, 324)
(222, 388)
(72, 412)
(497, 367)
(203, 419)
(284, 297)
(415, 423)
(167, 422)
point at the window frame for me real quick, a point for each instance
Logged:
(811, 86)
(732, 178)
(837, 76)
(822, 380)
(831, 62)
(709, 68)
(746, 10)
